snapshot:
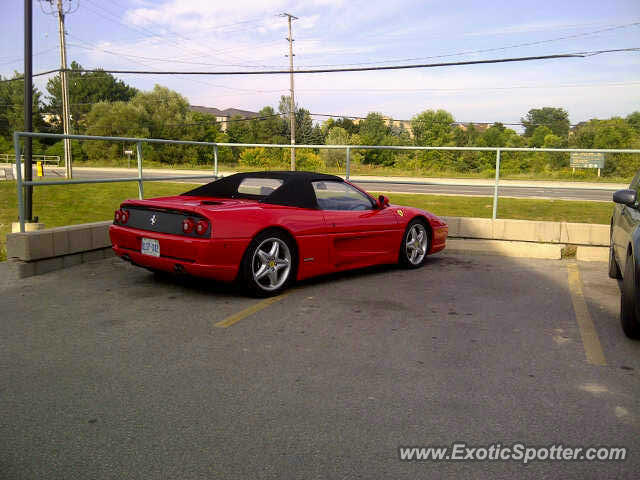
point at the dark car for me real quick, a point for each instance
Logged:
(624, 254)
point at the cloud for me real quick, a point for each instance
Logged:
(249, 34)
(531, 27)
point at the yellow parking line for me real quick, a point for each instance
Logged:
(590, 340)
(236, 317)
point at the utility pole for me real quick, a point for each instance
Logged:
(60, 10)
(28, 107)
(65, 91)
(292, 103)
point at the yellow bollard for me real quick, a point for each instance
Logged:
(39, 169)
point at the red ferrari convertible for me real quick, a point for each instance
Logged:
(268, 229)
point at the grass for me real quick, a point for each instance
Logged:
(72, 204)
(61, 205)
(514, 208)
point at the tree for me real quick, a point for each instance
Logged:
(270, 128)
(375, 130)
(334, 157)
(633, 120)
(538, 136)
(347, 124)
(432, 128)
(556, 119)
(306, 132)
(85, 89)
(122, 119)
(239, 130)
(12, 110)
(465, 137)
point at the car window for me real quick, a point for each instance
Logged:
(259, 186)
(340, 196)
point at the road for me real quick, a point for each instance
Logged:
(485, 191)
(109, 371)
(471, 187)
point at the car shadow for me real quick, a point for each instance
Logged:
(207, 286)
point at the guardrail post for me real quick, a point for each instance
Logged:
(495, 189)
(215, 160)
(16, 146)
(348, 163)
(140, 183)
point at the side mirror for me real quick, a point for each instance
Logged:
(625, 197)
(383, 201)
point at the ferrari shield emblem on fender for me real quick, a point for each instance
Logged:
(400, 212)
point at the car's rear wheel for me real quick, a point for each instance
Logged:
(629, 301)
(269, 264)
(614, 268)
(415, 244)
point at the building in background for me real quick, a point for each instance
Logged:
(223, 116)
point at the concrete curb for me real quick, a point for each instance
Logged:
(528, 231)
(592, 254)
(34, 253)
(505, 248)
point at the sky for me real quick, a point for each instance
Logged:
(245, 35)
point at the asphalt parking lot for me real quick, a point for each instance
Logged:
(109, 371)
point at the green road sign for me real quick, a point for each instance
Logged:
(586, 160)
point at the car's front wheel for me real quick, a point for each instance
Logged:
(629, 301)
(269, 264)
(416, 243)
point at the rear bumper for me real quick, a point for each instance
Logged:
(209, 258)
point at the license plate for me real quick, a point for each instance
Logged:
(150, 247)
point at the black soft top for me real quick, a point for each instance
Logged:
(296, 189)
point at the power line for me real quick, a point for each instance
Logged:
(376, 68)
(16, 60)
(138, 62)
(231, 120)
(21, 77)
(486, 50)
(200, 53)
(353, 117)
(213, 120)
(464, 89)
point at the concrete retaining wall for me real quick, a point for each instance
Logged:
(42, 251)
(34, 253)
(529, 231)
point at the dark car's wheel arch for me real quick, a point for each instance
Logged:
(629, 302)
(614, 266)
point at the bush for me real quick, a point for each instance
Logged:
(262, 158)
(309, 161)
(77, 154)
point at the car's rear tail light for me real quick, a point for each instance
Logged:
(201, 227)
(121, 216)
(187, 225)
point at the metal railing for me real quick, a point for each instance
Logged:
(9, 158)
(348, 148)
